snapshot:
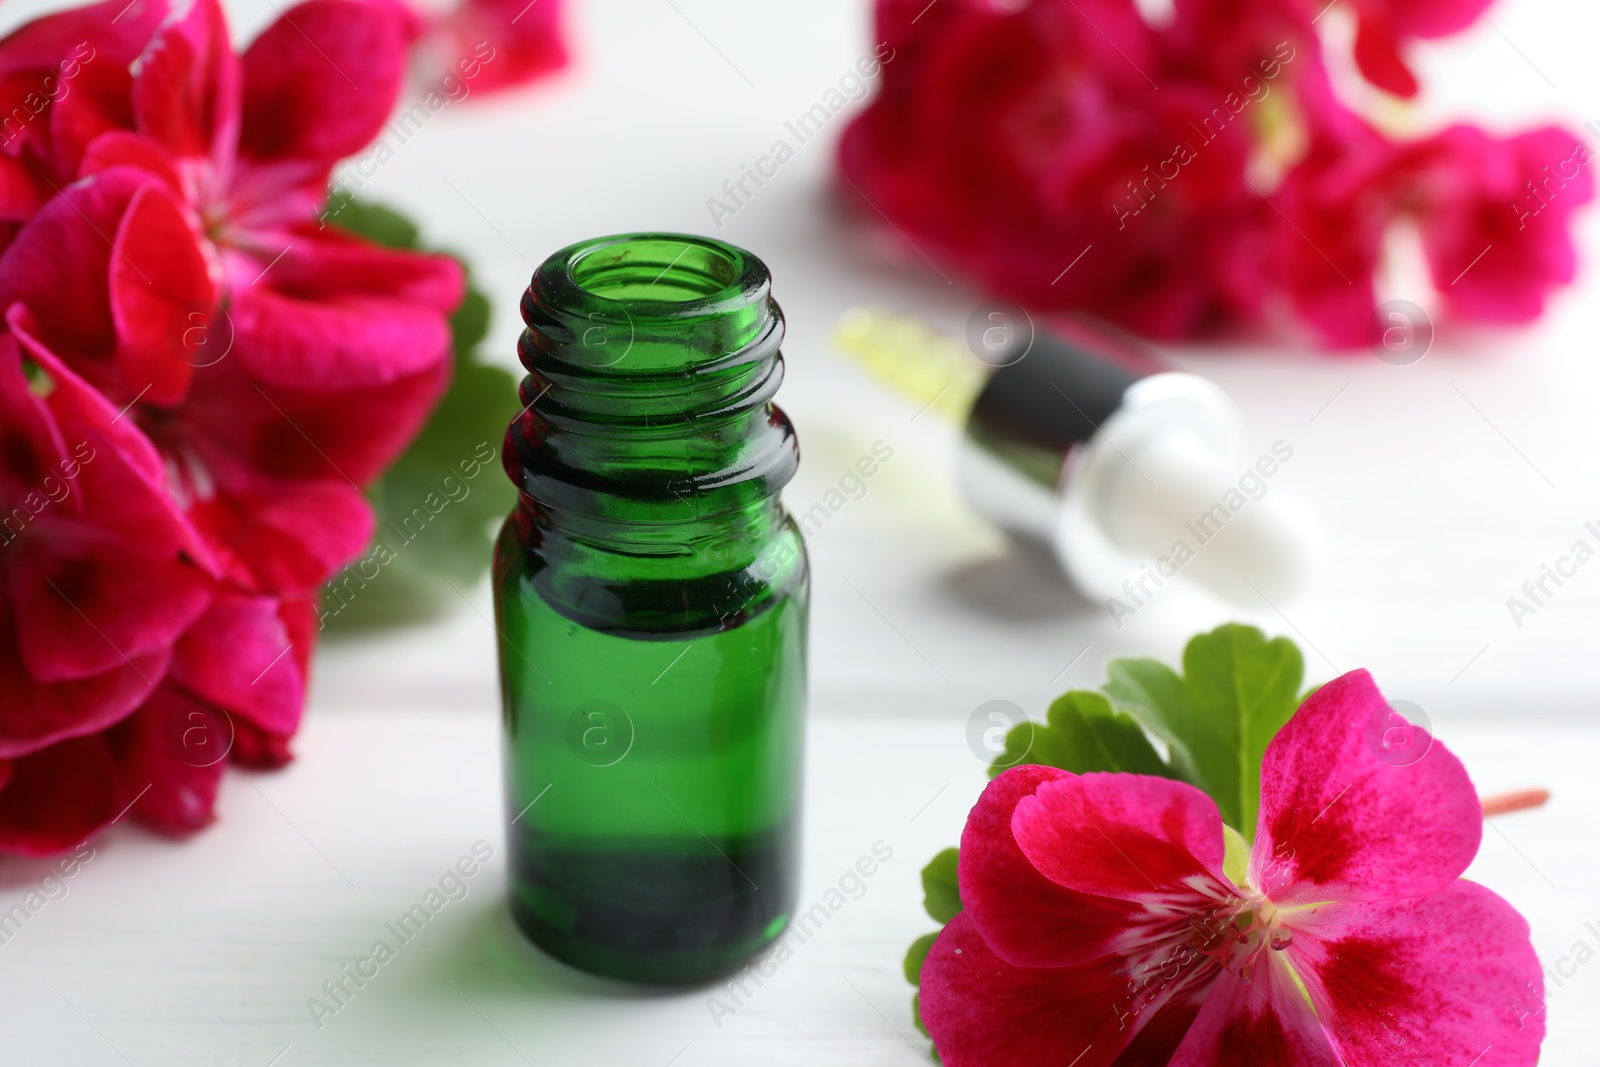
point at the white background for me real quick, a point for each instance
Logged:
(1443, 485)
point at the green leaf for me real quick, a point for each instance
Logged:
(1237, 691)
(1155, 694)
(941, 894)
(1083, 733)
(438, 505)
(470, 323)
(372, 221)
(917, 955)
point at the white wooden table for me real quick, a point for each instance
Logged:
(1443, 486)
(207, 953)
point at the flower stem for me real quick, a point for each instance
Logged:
(1502, 803)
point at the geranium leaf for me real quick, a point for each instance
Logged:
(941, 894)
(470, 323)
(1237, 690)
(1083, 733)
(372, 221)
(917, 954)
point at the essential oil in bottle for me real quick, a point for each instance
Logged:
(651, 599)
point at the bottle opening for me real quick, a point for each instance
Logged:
(656, 269)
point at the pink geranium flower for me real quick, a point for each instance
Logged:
(1494, 215)
(276, 364)
(121, 660)
(1106, 922)
(196, 381)
(1190, 176)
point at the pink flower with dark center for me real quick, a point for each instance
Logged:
(1107, 921)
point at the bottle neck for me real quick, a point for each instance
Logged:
(648, 427)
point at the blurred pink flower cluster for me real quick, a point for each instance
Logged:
(198, 378)
(1201, 175)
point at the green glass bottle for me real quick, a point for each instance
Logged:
(650, 593)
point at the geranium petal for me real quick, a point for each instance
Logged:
(332, 265)
(119, 472)
(320, 82)
(1377, 55)
(359, 432)
(122, 148)
(1027, 919)
(32, 449)
(1164, 1029)
(1257, 1021)
(93, 604)
(158, 274)
(255, 748)
(504, 43)
(239, 658)
(35, 715)
(1440, 981)
(172, 753)
(115, 31)
(326, 341)
(310, 434)
(59, 263)
(98, 103)
(88, 49)
(1432, 18)
(984, 1012)
(1496, 225)
(59, 797)
(298, 613)
(1127, 836)
(20, 194)
(278, 536)
(1345, 818)
(186, 91)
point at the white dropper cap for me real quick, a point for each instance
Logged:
(1179, 505)
(1154, 484)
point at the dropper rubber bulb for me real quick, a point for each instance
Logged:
(1174, 491)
